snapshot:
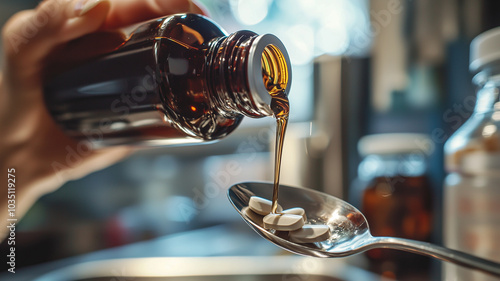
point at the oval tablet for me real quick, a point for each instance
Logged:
(296, 211)
(252, 216)
(261, 206)
(283, 222)
(310, 234)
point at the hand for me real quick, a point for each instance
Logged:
(34, 40)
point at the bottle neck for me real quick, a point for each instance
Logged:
(488, 82)
(239, 67)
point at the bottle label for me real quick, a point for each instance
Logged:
(472, 221)
(481, 162)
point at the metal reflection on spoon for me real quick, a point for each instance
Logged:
(350, 233)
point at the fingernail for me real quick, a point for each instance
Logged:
(79, 6)
(196, 7)
(84, 6)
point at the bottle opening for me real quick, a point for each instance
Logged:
(274, 70)
(269, 72)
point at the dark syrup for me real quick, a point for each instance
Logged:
(281, 108)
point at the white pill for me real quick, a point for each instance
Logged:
(252, 216)
(261, 206)
(296, 211)
(283, 222)
(310, 234)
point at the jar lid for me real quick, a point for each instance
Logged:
(484, 49)
(395, 143)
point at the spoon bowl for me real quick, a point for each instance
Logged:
(349, 229)
(347, 225)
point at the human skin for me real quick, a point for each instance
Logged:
(35, 42)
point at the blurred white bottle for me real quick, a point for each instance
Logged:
(472, 187)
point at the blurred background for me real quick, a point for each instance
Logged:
(359, 68)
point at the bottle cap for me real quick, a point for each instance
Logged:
(255, 66)
(485, 50)
(395, 143)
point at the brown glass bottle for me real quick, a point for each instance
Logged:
(396, 199)
(398, 206)
(175, 80)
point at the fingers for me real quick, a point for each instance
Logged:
(30, 35)
(26, 28)
(127, 12)
(88, 17)
(16, 33)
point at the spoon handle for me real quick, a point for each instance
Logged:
(439, 252)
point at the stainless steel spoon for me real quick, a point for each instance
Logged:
(349, 228)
